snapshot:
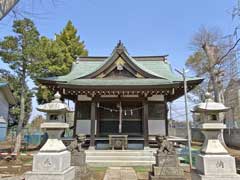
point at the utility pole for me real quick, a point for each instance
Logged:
(183, 74)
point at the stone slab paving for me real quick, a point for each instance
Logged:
(120, 173)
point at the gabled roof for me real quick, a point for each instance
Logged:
(8, 93)
(153, 70)
(121, 55)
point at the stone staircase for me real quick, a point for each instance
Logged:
(107, 158)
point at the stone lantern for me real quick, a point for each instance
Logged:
(53, 160)
(213, 162)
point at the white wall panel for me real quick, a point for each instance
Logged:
(156, 127)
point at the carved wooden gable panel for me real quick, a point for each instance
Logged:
(120, 69)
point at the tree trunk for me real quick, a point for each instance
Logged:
(18, 143)
(212, 57)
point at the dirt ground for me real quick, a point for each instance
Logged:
(16, 168)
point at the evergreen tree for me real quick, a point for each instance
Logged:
(57, 57)
(70, 42)
(18, 51)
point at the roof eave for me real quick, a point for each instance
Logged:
(9, 95)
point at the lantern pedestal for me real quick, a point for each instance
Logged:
(51, 166)
(53, 162)
(214, 162)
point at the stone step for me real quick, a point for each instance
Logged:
(108, 163)
(122, 158)
(118, 153)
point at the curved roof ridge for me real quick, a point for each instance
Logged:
(119, 49)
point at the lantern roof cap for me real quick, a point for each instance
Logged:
(55, 105)
(210, 106)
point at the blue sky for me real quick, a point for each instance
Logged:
(146, 27)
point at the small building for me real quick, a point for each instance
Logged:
(120, 94)
(6, 99)
(232, 100)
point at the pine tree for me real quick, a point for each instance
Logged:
(71, 43)
(57, 57)
(18, 51)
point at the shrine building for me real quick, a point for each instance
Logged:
(120, 95)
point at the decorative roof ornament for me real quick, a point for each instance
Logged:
(120, 47)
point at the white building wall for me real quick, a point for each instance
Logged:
(4, 106)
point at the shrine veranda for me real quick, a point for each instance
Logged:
(120, 94)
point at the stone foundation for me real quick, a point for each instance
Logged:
(197, 176)
(67, 174)
(166, 167)
(215, 167)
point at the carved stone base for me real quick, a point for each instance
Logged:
(78, 158)
(167, 171)
(166, 160)
(166, 167)
(82, 173)
(212, 167)
(51, 162)
(152, 177)
(215, 164)
(68, 174)
(51, 166)
(196, 176)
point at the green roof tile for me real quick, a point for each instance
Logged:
(158, 71)
(118, 82)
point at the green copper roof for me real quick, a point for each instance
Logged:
(83, 68)
(118, 82)
(156, 68)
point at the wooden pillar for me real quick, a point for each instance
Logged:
(75, 118)
(93, 118)
(166, 118)
(145, 123)
(98, 121)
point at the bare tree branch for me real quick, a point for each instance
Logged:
(228, 52)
